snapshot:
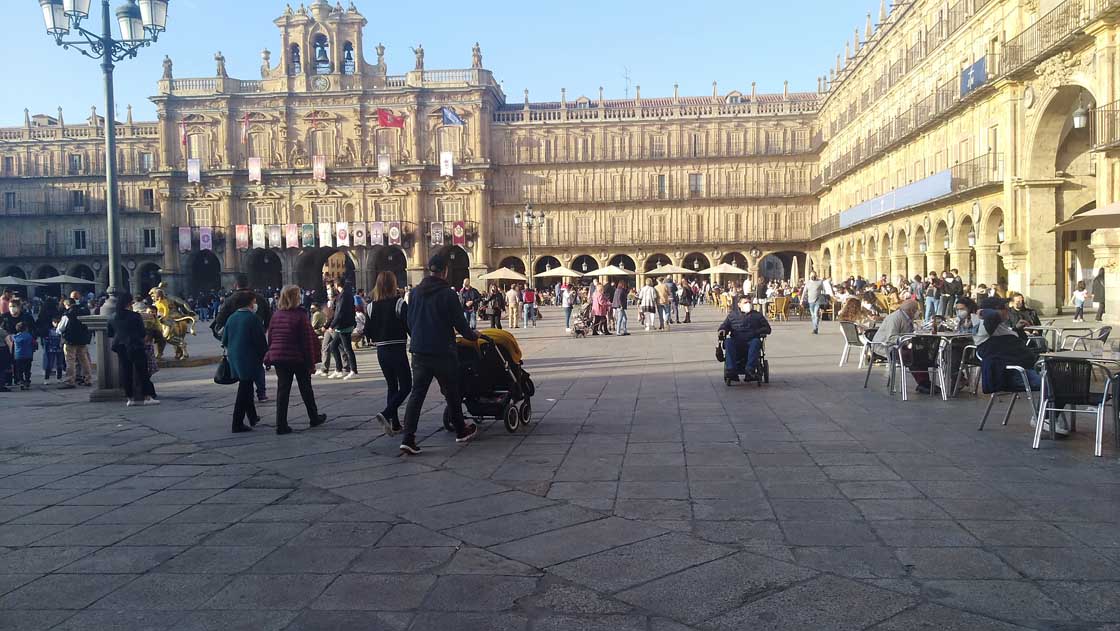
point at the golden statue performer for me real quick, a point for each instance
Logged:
(176, 319)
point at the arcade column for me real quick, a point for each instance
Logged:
(1106, 250)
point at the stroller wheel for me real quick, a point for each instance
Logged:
(526, 411)
(765, 372)
(447, 420)
(511, 418)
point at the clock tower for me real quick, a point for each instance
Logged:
(322, 51)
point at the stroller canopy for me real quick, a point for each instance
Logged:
(502, 338)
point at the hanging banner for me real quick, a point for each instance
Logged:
(377, 233)
(437, 233)
(184, 238)
(205, 238)
(358, 233)
(319, 171)
(308, 235)
(459, 233)
(446, 164)
(255, 170)
(242, 232)
(342, 232)
(394, 233)
(384, 167)
(259, 235)
(194, 170)
(326, 235)
(291, 235)
(274, 233)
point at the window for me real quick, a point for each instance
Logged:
(657, 231)
(75, 164)
(146, 162)
(262, 212)
(9, 201)
(695, 184)
(449, 139)
(201, 214)
(150, 239)
(78, 200)
(657, 147)
(147, 199)
(733, 227)
(620, 229)
(9, 165)
(694, 145)
(584, 233)
(662, 186)
(449, 210)
(80, 242)
(387, 142)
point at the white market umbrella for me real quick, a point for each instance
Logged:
(723, 268)
(611, 270)
(560, 272)
(669, 269)
(1099, 218)
(64, 279)
(15, 280)
(793, 271)
(503, 273)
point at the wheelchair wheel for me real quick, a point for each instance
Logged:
(727, 381)
(526, 411)
(447, 420)
(765, 372)
(511, 418)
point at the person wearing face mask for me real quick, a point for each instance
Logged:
(243, 337)
(262, 312)
(967, 321)
(746, 328)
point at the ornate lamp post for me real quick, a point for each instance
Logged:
(140, 25)
(529, 220)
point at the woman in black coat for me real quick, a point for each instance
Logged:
(128, 332)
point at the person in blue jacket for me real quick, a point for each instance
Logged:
(746, 327)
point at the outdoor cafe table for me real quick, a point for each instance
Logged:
(1057, 334)
(945, 352)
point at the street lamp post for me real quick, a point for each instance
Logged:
(140, 26)
(529, 220)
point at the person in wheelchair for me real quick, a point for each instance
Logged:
(742, 332)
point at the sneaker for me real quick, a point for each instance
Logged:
(131, 403)
(318, 420)
(468, 434)
(262, 398)
(47, 381)
(397, 427)
(922, 389)
(350, 375)
(151, 402)
(335, 375)
(385, 424)
(410, 447)
(320, 373)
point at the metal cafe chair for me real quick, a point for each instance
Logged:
(1022, 372)
(879, 353)
(1076, 342)
(970, 363)
(924, 349)
(853, 339)
(1068, 381)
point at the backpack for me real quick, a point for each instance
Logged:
(76, 333)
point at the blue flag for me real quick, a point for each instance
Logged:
(450, 117)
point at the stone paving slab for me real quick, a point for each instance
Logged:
(645, 495)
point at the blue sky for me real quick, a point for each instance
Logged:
(543, 46)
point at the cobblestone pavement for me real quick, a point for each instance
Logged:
(646, 495)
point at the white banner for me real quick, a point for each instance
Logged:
(194, 170)
(326, 235)
(384, 168)
(446, 164)
(259, 236)
(358, 233)
(255, 170)
(342, 230)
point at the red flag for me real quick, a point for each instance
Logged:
(386, 118)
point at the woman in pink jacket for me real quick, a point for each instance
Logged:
(600, 307)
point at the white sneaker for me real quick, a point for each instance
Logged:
(320, 373)
(131, 403)
(151, 402)
(335, 375)
(350, 375)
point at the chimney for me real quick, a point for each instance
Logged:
(676, 91)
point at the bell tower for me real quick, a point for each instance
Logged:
(322, 47)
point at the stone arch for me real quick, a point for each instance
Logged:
(149, 275)
(826, 264)
(205, 272)
(458, 264)
(993, 230)
(696, 261)
(513, 263)
(585, 264)
(53, 289)
(738, 259)
(265, 269)
(1053, 128)
(390, 258)
(656, 260)
(86, 272)
(624, 261)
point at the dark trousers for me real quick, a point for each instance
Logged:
(340, 343)
(284, 374)
(53, 361)
(243, 406)
(135, 380)
(496, 320)
(23, 372)
(398, 378)
(1100, 310)
(736, 350)
(445, 370)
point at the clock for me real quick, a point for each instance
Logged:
(321, 84)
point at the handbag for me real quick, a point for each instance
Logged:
(223, 376)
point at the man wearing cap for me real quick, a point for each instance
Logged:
(434, 314)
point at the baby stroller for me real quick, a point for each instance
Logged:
(582, 324)
(761, 376)
(492, 381)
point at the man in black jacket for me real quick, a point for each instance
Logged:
(341, 329)
(434, 314)
(263, 311)
(747, 328)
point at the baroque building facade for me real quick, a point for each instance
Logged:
(948, 135)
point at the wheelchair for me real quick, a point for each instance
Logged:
(761, 375)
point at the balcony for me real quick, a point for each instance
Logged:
(1104, 126)
(719, 150)
(1056, 29)
(646, 237)
(759, 190)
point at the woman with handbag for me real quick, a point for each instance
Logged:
(243, 339)
(293, 349)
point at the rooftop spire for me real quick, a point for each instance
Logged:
(867, 29)
(882, 11)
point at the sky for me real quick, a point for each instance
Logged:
(543, 46)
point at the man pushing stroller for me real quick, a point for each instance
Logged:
(742, 332)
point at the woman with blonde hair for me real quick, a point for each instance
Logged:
(387, 314)
(293, 350)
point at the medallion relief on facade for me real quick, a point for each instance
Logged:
(1056, 71)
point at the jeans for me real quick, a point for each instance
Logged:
(243, 406)
(472, 318)
(529, 314)
(567, 317)
(342, 342)
(135, 380)
(931, 307)
(676, 306)
(735, 348)
(620, 322)
(815, 313)
(285, 372)
(398, 378)
(78, 357)
(445, 370)
(496, 320)
(664, 315)
(53, 361)
(258, 381)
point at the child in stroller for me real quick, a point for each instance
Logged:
(494, 383)
(582, 324)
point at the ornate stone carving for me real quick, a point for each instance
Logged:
(1057, 70)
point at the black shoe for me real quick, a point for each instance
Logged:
(397, 427)
(468, 434)
(283, 429)
(409, 446)
(318, 420)
(253, 421)
(241, 427)
(922, 389)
